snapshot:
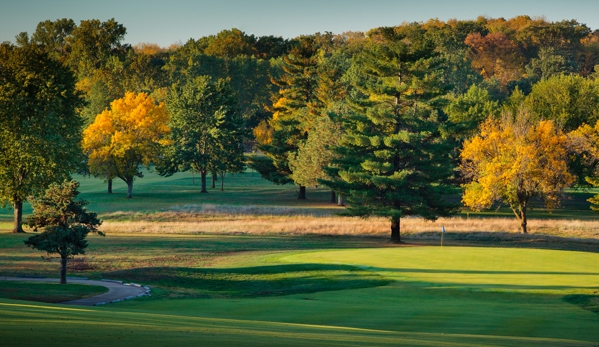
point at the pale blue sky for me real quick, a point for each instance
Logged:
(169, 21)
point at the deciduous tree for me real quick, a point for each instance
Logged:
(126, 137)
(585, 143)
(513, 160)
(206, 133)
(568, 100)
(40, 131)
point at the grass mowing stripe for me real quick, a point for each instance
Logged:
(57, 308)
(47, 292)
(485, 268)
(123, 328)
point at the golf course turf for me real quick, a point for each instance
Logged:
(413, 296)
(244, 289)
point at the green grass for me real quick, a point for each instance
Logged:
(154, 193)
(255, 281)
(257, 290)
(306, 290)
(47, 292)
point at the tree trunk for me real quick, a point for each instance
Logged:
(63, 269)
(129, 189)
(214, 180)
(333, 197)
(395, 230)
(110, 186)
(18, 206)
(523, 221)
(340, 201)
(521, 216)
(302, 193)
(203, 174)
(222, 183)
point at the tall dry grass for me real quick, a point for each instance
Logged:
(261, 220)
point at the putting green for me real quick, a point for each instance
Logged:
(527, 270)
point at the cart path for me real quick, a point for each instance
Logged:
(117, 291)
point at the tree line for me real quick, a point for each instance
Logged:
(390, 120)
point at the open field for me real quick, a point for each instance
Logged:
(255, 266)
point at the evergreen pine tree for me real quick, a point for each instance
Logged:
(392, 161)
(293, 108)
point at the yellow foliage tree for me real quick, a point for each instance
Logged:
(585, 141)
(126, 137)
(514, 161)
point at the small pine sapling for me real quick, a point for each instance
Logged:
(65, 223)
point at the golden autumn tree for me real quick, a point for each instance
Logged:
(585, 142)
(512, 161)
(126, 137)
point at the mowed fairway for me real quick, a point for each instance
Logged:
(455, 296)
(236, 286)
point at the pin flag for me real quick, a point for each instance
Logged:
(442, 234)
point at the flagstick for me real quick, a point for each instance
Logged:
(442, 234)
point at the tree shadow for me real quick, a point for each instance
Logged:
(483, 272)
(506, 240)
(256, 281)
(585, 301)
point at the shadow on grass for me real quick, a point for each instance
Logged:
(255, 281)
(505, 240)
(587, 302)
(484, 272)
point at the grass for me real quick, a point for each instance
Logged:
(255, 266)
(249, 194)
(315, 290)
(47, 292)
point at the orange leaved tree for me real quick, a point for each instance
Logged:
(512, 161)
(126, 137)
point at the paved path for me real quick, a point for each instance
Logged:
(116, 290)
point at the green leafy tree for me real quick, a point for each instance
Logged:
(93, 42)
(249, 77)
(135, 72)
(54, 37)
(206, 130)
(548, 64)
(568, 100)
(65, 223)
(391, 160)
(40, 130)
(469, 110)
(315, 153)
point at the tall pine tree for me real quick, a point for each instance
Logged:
(293, 108)
(392, 161)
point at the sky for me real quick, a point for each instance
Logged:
(175, 21)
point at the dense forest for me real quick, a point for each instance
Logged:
(390, 120)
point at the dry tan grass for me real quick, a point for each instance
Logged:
(225, 222)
